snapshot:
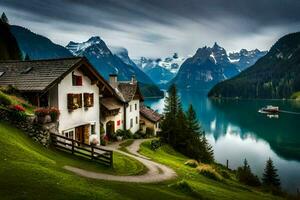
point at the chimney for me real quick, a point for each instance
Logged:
(133, 79)
(113, 80)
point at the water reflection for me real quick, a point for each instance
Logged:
(237, 131)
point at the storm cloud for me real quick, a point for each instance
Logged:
(157, 28)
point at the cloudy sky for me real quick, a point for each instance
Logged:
(157, 28)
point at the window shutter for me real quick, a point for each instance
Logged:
(92, 99)
(85, 99)
(79, 100)
(70, 101)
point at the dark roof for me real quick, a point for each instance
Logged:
(128, 90)
(149, 114)
(41, 75)
(110, 103)
(35, 75)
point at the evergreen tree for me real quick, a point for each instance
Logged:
(4, 18)
(270, 176)
(172, 104)
(245, 175)
(192, 122)
(27, 57)
(208, 152)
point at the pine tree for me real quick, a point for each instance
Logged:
(208, 152)
(27, 57)
(270, 176)
(172, 104)
(192, 122)
(4, 18)
(245, 175)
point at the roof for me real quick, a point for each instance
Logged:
(40, 75)
(149, 114)
(110, 103)
(128, 90)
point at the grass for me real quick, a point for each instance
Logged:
(30, 171)
(296, 96)
(208, 188)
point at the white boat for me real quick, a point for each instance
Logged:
(270, 109)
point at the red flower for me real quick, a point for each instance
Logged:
(18, 108)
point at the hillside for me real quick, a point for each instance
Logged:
(37, 46)
(9, 49)
(276, 75)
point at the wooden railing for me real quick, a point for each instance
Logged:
(77, 148)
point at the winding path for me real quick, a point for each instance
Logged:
(156, 172)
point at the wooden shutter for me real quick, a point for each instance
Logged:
(92, 99)
(70, 101)
(79, 96)
(85, 99)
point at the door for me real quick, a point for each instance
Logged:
(79, 131)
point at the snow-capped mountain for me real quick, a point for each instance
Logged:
(106, 62)
(160, 70)
(245, 58)
(207, 67)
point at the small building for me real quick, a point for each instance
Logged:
(150, 120)
(72, 85)
(123, 110)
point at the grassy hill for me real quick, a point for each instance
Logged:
(29, 171)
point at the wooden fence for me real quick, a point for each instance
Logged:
(77, 148)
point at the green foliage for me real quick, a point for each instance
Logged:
(245, 175)
(185, 187)
(126, 134)
(182, 130)
(4, 18)
(155, 144)
(270, 176)
(5, 99)
(192, 163)
(296, 96)
(209, 172)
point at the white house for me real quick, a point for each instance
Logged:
(72, 85)
(123, 111)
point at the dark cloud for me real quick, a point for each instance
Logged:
(165, 21)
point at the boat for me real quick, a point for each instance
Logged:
(270, 109)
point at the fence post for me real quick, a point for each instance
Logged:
(73, 146)
(92, 147)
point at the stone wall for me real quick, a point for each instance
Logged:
(38, 132)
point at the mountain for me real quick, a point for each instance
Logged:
(9, 49)
(37, 46)
(276, 75)
(207, 67)
(160, 70)
(106, 62)
(245, 58)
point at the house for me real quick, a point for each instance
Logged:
(72, 85)
(122, 111)
(150, 120)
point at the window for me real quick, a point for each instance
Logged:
(69, 134)
(88, 99)
(136, 120)
(93, 129)
(74, 101)
(131, 123)
(130, 108)
(135, 105)
(76, 80)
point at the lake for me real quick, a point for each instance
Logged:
(236, 130)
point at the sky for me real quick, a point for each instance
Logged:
(158, 28)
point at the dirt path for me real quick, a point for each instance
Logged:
(156, 172)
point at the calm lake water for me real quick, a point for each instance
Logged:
(237, 131)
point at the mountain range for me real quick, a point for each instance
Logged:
(210, 65)
(275, 75)
(107, 62)
(161, 71)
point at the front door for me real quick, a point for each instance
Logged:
(82, 134)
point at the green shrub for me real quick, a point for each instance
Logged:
(54, 113)
(4, 99)
(209, 172)
(126, 134)
(225, 174)
(244, 175)
(192, 163)
(155, 144)
(17, 112)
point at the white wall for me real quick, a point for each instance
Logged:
(132, 115)
(119, 116)
(80, 116)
